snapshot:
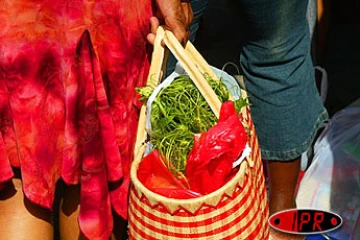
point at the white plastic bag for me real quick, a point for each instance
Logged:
(332, 182)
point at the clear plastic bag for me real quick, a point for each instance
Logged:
(332, 182)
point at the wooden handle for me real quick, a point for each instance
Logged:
(199, 61)
(193, 63)
(198, 78)
(156, 70)
(154, 77)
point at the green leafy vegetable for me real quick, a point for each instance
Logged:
(178, 112)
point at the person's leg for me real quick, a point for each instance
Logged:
(20, 218)
(282, 192)
(279, 77)
(68, 214)
(283, 178)
(68, 218)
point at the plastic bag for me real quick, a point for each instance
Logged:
(332, 182)
(154, 175)
(210, 162)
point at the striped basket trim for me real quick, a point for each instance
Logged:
(238, 218)
(239, 210)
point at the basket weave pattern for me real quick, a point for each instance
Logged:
(238, 210)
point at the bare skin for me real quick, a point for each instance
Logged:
(283, 178)
(174, 17)
(20, 218)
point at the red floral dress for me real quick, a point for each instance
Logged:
(68, 106)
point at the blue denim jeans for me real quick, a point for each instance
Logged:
(279, 76)
(198, 7)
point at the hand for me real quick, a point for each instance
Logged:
(174, 16)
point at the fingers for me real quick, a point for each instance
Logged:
(174, 25)
(180, 25)
(175, 17)
(189, 15)
(154, 24)
(180, 31)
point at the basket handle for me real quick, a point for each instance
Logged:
(199, 61)
(158, 56)
(155, 74)
(193, 63)
(190, 67)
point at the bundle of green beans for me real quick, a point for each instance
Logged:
(178, 112)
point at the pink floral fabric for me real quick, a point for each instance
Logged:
(68, 106)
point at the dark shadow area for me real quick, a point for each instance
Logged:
(220, 36)
(342, 64)
(71, 200)
(341, 57)
(60, 187)
(9, 188)
(38, 212)
(8, 191)
(120, 231)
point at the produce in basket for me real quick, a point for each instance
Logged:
(212, 157)
(180, 117)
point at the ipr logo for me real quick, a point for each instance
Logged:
(305, 221)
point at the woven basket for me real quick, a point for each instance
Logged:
(238, 210)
